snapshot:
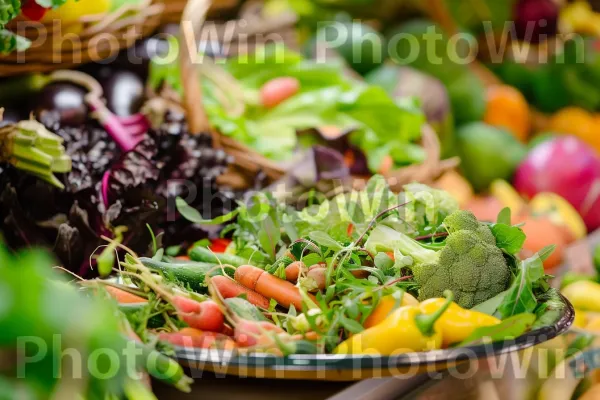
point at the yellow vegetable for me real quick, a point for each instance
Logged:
(406, 330)
(581, 319)
(579, 17)
(388, 304)
(507, 195)
(71, 12)
(456, 324)
(560, 212)
(584, 295)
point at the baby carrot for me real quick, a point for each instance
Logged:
(229, 288)
(292, 271)
(124, 297)
(272, 287)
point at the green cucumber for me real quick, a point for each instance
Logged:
(244, 309)
(203, 254)
(189, 274)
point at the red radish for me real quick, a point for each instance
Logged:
(277, 90)
(253, 333)
(319, 275)
(568, 167)
(219, 245)
(204, 340)
(32, 10)
(206, 316)
(229, 288)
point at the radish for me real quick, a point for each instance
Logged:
(206, 316)
(568, 167)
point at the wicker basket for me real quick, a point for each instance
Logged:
(174, 9)
(92, 38)
(247, 162)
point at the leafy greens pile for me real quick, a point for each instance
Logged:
(364, 118)
(374, 242)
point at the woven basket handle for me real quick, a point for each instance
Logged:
(192, 20)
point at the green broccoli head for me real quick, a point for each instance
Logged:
(470, 264)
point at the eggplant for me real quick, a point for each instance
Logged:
(64, 98)
(124, 92)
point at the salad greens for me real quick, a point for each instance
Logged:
(377, 124)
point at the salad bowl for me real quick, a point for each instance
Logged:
(345, 367)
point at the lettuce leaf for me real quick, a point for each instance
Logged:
(378, 125)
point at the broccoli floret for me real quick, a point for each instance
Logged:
(469, 264)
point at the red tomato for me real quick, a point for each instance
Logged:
(33, 10)
(277, 90)
(219, 245)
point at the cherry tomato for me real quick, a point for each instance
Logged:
(277, 90)
(219, 245)
(33, 10)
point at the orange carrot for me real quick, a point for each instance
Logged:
(183, 258)
(229, 288)
(292, 271)
(190, 332)
(124, 297)
(272, 287)
(206, 316)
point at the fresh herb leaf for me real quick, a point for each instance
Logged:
(520, 297)
(504, 216)
(383, 261)
(509, 238)
(490, 306)
(268, 236)
(323, 239)
(192, 215)
(510, 328)
(173, 251)
(351, 325)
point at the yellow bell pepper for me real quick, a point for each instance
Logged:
(584, 295)
(388, 304)
(581, 319)
(406, 330)
(456, 324)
